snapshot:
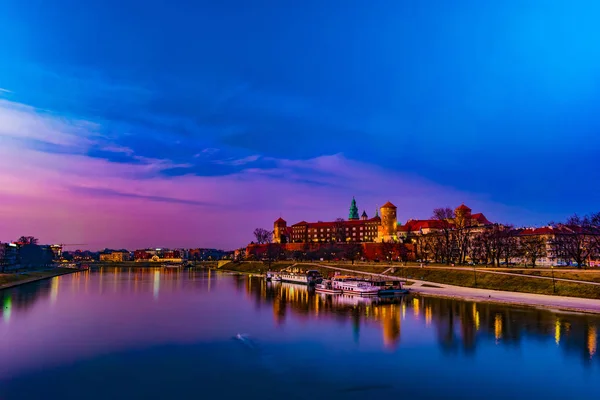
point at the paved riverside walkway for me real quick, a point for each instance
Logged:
(577, 304)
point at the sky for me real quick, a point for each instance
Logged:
(182, 123)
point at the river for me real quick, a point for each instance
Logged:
(171, 334)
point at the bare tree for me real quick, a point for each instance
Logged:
(444, 217)
(353, 251)
(262, 236)
(532, 248)
(27, 240)
(576, 239)
(508, 243)
(339, 230)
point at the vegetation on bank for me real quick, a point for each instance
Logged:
(15, 278)
(511, 283)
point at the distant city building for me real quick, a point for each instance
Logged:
(158, 255)
(115, 256)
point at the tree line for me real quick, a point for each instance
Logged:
(576, 239)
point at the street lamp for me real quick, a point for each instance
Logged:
(475, 275)
(553, 281)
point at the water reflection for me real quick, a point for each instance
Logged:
(458, 325)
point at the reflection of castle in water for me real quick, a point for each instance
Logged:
(459, 325)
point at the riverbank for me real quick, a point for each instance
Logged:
(558, 303)
(11, 280)
(468, 285)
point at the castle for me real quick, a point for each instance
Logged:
(378, 229)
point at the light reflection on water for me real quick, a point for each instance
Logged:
(73, 323)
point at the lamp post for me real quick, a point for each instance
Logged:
(553, 281)
(475, 275)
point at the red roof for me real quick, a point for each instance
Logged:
(545, 230)
(280, 220)
(417, 225)
(331, 224)
(463, 207)
(388, 205)
(479, 217)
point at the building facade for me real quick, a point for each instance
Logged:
(357, 228)
(115, 256)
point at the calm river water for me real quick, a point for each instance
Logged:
(168, 334)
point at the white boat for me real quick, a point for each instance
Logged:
(355, 286)
(272, 277)
(310, 278)
(327, 287)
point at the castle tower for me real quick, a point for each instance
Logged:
(462, 215)
(353, 214)
(364, 216)
(389, 221)
(279, 231)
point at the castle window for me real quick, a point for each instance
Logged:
(321, 229)
(354, 228)
(361, 228)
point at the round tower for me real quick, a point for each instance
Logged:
(389, 222)
(462, 215)
(279, 231)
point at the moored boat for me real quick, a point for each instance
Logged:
(272, 277)
(309, 278)
(355, 286)
(327, 287)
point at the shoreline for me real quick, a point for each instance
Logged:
(593, 310)
(548, 302)
(62, 271)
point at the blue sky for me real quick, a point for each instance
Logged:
(492, 103)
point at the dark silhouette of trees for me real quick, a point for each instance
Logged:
(576, 239)
(444, 216)
(23, 240)
(532, 248)
(353, 251)
(339, 230)
(262, 236)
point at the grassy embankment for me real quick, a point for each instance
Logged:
(12, 279)
(517, 283)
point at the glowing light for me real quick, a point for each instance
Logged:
(498, 327)
(428, 315)
(592, 340)
(403, 310)
(476, 316)
(54, 289)
(416, 307)
(557, 331)
(7, 309)
(156, 283)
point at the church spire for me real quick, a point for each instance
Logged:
(376, 212)
(353, 214)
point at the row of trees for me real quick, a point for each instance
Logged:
(454, 241)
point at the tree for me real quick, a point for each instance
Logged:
(353, 251)
(339, 230)
(576, 239)
(23, 240)
(444, 216)
(262, 236)
(509, 244)
(532, 248)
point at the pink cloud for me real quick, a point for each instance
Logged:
(72, 198)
